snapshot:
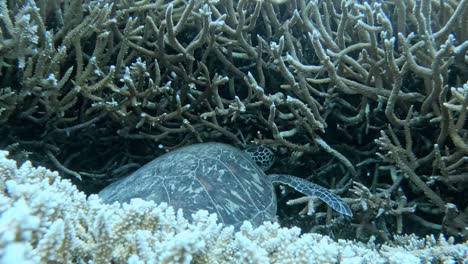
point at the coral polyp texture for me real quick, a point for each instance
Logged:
(366, 98)
(45, 219)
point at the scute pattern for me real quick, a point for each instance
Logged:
(263, 156)
(211, 176)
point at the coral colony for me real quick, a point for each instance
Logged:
(367, 99)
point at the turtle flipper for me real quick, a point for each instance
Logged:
(311, 189)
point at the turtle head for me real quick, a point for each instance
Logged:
(263, 156)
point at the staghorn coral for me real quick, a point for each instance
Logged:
(97, 88)
(44, 218)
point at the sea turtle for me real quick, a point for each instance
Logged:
(218, 178)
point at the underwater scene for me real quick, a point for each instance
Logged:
(233, 131)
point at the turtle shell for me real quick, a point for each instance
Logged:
(212, 176)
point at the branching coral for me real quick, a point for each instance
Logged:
(44, 218)
(343, 78)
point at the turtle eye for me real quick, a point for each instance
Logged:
(263, 156)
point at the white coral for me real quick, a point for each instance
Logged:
(46, 219)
